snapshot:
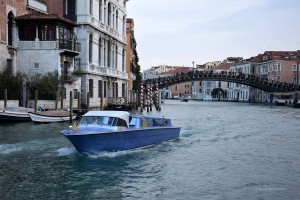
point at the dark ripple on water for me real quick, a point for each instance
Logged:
(225, 151)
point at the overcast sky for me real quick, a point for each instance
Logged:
(178, 32)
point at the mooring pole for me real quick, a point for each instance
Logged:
(56, 100)
(5, 98)
(71, 106)
(150, 94)
(142, 97)
(61, 100)
(35, 101)
(78, 101)
(27, 99)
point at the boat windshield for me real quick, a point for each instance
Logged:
(102, 120)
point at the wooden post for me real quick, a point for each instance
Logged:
(87, 101)
(61, 100)
(78, 102)
(27, 99)
(56, 101)
(35, 100)
(5, 98)
(71, 106)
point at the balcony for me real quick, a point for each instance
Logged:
(107, 71)
(37, 5)
(67, 45)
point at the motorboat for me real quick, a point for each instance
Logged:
(51, 116)
(112, 131)
(15, 114)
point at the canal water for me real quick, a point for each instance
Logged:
(225, 151)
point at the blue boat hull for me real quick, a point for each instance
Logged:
(119, 141)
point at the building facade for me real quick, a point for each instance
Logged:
(8, 11)
(101, 31)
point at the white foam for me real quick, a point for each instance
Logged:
(66, 151)
(9, 148)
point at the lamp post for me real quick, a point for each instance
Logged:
(193, 85)
(193, 66)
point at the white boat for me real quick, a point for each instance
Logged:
(15, 114)
(51, 116)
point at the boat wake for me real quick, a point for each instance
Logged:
(9, 148)
(66, 151)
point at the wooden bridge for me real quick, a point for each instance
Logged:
(263, 84)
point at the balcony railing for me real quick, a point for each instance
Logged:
(48, 45)
(69, 45)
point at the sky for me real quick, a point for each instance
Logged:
(178, 32)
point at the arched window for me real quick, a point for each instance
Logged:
(91, 7)
(123, 28)
(104, 13)
(123, 60)
(91, 48)
(113, 18)
(100, 52)
(116, 56)
(108, 53)
(109, 14)
(100, 10)
(117, 17)
(104, 52)
(10, 28)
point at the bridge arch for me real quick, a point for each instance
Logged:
(263, 84)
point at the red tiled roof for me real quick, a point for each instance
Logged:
(41, 17)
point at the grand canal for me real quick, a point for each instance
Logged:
(225, 151)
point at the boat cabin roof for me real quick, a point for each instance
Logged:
(119, 114)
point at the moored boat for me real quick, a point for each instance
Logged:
(112, 131)
(51, 116)
(15, 114)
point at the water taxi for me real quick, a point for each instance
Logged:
(113, 131)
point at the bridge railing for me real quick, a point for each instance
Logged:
(238, 77)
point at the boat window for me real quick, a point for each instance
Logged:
(133, 121)
(147, 122)
(102, 120)
(160, 122)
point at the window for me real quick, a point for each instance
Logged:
(117, 90)
(27, 32)
(65, 69)
(10, 28)
(75, 93)
(91, 7)
(100, 85)
(294, 68)
(123, 60)
(123, 90)
(90, 48)
(47, 32)
(99, 52)
(104, 89)
(35, 66)
(91, 88)
(279, 66)
(100, 10)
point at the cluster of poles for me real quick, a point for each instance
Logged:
(146, 97)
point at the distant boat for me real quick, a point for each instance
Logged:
(15, 114)
(184, 99)
(51, 116)
(112, 131)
